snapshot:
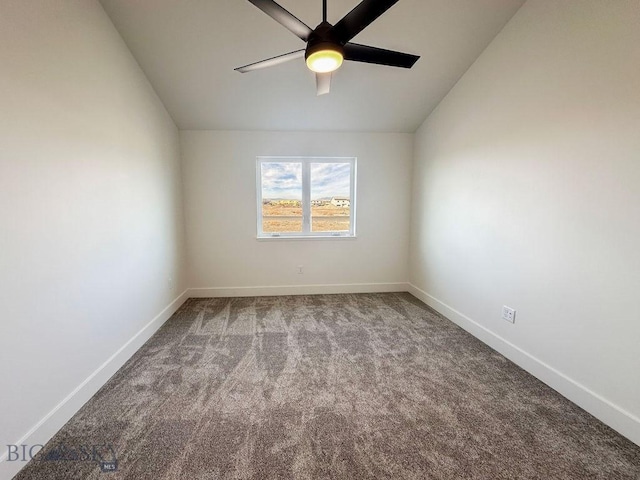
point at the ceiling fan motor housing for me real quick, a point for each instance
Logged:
(323, 38)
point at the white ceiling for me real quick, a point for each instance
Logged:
(189, 48)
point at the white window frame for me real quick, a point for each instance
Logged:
(306, 197)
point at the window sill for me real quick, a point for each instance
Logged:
(308, 237)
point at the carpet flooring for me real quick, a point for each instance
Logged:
(329, 386)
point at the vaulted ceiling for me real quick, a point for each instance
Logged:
(189, 48)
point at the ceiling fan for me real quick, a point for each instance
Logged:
(328, 45)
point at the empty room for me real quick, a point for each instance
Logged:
(320, 239)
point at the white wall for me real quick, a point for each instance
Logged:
(90, 207)
(220, 204)
(526, 192)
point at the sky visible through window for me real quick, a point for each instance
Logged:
(330, 180)
(283, 180)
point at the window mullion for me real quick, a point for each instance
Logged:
(352, 198)
(259, 195)
(306, 198)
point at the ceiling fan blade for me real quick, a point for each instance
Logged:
(361, 17)
(380, 56)
(284, 18)
(270, 62)
(323, 83)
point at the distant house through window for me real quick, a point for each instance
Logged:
(306, 197)
(340, 201)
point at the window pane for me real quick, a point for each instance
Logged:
(330, 201)
(281, 197)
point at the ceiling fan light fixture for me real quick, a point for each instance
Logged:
(323, 54)
(325, 61)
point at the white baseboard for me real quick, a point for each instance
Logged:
(297, 290)
(617, 418)
(46, 428)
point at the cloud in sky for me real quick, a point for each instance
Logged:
(330, 180)
(284, 180)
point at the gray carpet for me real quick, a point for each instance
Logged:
(327, 386)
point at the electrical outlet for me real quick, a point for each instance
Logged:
(170, 284)
(508, 314)
(300, 269)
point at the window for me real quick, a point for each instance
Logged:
(306, 197)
